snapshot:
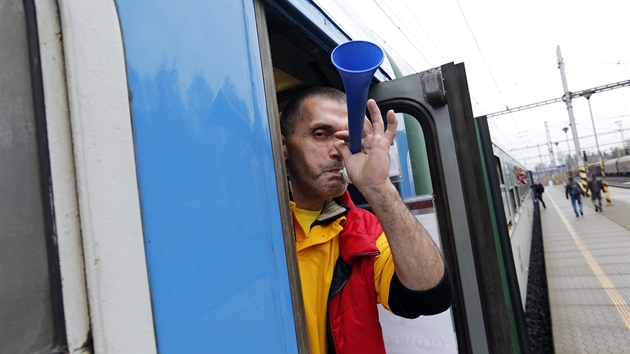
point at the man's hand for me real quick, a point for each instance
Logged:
(369, 168)
(417, 260)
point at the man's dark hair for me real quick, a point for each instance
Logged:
(570, 178)
(294, 112)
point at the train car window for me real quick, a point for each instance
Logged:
(499, 172)
(513, 199)
(26, 310)
(504, 196)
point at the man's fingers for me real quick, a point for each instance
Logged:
(343, 135)
(343, 148)
(392, 124)
(377, 119)
(367, 127)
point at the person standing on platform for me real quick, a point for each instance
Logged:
(596, 186)
(576, 192)
(539, 190)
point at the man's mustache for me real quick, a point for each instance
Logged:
(333, 167)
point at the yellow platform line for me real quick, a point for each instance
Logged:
(615, 297)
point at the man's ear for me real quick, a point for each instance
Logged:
(284, 148)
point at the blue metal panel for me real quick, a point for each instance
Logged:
(213, 236)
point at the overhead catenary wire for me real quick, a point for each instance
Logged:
(390, 47)
(590, 149)
(413, 15)
(473, 99)
(403, 33)
(480, 51)
(581, 93)
(564, 154)
(609, 63)
(500, 130)
(485, 62)
(412, 31)
(581, 137)
(435, 62)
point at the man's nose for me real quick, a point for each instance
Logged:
(332, 151)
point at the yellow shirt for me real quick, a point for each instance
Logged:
(318, 250)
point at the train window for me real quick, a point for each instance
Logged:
(513, 199)
(300, 62)
(504, 196)
(499, 172)
(26, 309)
(508, 174)
(414, 162)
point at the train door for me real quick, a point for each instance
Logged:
(438, 99)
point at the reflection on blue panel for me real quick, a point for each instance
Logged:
(213, 236)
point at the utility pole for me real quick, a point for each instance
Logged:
(565, 129)
(540, 155)
(599, 154)
(550, 147)
(567, 99)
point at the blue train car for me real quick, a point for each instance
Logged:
(144, 205)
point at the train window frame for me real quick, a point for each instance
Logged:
(102, 264)
(63, 182)
(332, 79)
(274, 98)
(504, 190)
(285, 83)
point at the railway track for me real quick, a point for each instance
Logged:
(619, 182)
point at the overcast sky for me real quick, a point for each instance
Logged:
(509, 51)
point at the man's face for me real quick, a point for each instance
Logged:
(313, 163)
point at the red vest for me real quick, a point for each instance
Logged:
(352, 311)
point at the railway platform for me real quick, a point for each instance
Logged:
(587, 262)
